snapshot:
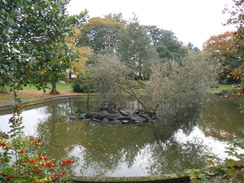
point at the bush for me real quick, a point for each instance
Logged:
(82, 84)
(173, 88)
(22, 158)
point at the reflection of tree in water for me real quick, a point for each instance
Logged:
(222, 120)
(106, 146)
(170, 156)
(173, 157)
(54, 129)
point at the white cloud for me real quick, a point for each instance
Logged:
(191, 20)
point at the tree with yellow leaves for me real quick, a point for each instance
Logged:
(84, 53)
(79, 67)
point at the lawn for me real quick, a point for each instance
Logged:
(60, 86)
(222, 88)
(30, 92)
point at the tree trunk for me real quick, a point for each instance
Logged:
(54, 90)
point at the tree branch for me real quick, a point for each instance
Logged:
(136, 97)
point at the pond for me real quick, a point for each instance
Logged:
(116, 150)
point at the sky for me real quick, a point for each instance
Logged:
(192, 21)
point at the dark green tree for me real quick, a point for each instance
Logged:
(101, 34)
(136, 49)
(167, 44)
(117, 17)
(32, 41)
(191, 48)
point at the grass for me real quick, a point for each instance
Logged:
(64, 88)
(222, 88)
(60, 86)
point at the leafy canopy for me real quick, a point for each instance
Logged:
(32, 41)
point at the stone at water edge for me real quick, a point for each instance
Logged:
(127, 112)
(105, 120)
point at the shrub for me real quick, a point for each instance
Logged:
(109, 75)
(22, 159)
(173, 87)
(82, 84)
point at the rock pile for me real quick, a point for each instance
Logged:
(124, 116)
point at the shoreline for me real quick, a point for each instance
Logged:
(6, 105)
(65, 95)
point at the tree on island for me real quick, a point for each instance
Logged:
(172, 87)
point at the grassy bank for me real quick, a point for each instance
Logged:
(60, 86)
(221, 88)
(31, 93)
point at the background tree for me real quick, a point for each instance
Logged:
(31, 37)
(84, 53)
(55, 64)
(79, 67)
(100, 34)
(117, 17)
(236, 18)
(219, 48)
(136, 50)
(167, 44)
(192, 48)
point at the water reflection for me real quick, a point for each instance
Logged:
(108, 149)
(223, 120)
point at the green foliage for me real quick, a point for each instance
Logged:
(117, 17)
(82, 84)
(100, 34)
(135, 49)
(32, 42)
(238, 74)
(173, 86)
(60, 86)
(131, 42)
(23, 159)
(109, 75)
(219, 48)
(222, 88)
(230, 170)
(167, 44)
(191, 48)
(112, 78)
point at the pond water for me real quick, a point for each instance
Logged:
(110, 149)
